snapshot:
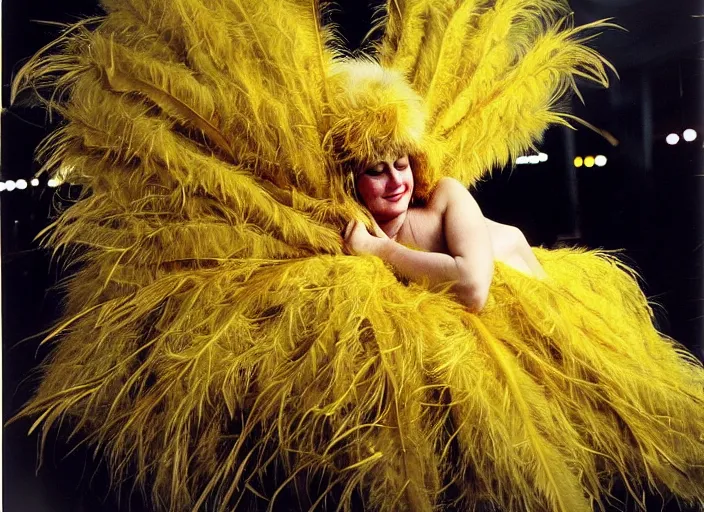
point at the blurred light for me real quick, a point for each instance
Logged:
(672, 139)
(534, 159)
(578, 161)
(53, 183)
(21, 184)
(34, 182)
(689, 135)
(521, 160)
(10, 185)
(589, 161)
(2, 186)
(600, 161)
(543, 157)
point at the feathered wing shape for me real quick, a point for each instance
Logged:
(221, 99)
(241, 81)
(257, 99)
(491, 74)
(217, 345)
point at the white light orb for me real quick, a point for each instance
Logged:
(600, 161)
(2, 186)
(21, 184)
(534, 159)
(521, 160)
(34, 182)
(672, 139)
(10, 185)
(543, 157)
(689, 135)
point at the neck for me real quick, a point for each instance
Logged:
(393, 226)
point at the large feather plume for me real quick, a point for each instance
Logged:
(491, 74)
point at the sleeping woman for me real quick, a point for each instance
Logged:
(447, 240)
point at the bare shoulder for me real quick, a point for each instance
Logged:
(447, 191)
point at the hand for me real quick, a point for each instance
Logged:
(359, 241)
(377, 231)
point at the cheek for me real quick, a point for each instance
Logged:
(369, 189)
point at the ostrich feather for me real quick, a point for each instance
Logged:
(476, 50)
(519, 103)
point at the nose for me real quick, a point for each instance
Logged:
(395, 176)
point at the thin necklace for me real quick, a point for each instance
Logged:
(393, 237)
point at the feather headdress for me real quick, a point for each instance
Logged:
(375, 113)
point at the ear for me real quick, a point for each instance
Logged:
(421, 188)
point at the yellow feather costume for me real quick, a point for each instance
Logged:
(218, 345)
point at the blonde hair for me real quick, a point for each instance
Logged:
(375, 112)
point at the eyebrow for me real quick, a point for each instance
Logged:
(371, 165)
(382, 163)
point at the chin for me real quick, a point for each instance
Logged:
(389, 211)
(401, 207)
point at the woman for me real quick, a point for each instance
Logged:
(455, 242)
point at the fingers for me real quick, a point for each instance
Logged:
(349, 228)
(347, 237)
(378, 231)
(375, 229)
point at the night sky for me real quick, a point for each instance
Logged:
(646, 201)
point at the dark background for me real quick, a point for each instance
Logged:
(646, 200)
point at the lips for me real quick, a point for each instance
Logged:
(395, 197)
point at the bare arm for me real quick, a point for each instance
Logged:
(469, 266)
(469, 243)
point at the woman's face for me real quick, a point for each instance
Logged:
(386, 187)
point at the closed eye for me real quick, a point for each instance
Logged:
(401, 163)
(373, 172)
